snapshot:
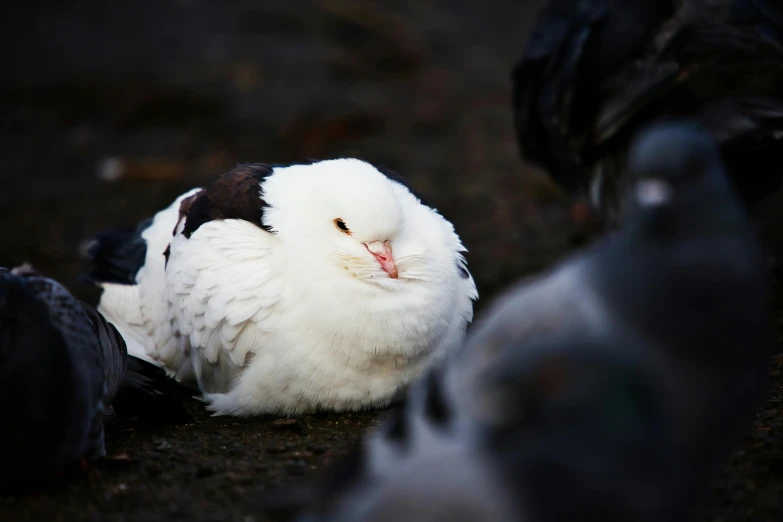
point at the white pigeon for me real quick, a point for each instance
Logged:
(290, 289)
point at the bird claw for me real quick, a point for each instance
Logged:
(209, 400)
(219, 404)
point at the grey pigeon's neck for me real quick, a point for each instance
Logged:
(669, 267)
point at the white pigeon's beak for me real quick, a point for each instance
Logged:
(382, 252)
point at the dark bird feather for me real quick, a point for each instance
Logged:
(61, 366)
(596, 72)
(685, 277)
(148, 393)
(116, 256)
(611, 388)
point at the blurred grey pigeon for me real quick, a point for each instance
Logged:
(571, 429)
(419, 466)
(595, 72)
(684, 279)
(579, 428)
(612, 387)
(61, 365)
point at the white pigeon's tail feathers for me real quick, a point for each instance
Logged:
(121, 306)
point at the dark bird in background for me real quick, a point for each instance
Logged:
(594, 72)
(684, 279)
(61, 366)
(611, 388)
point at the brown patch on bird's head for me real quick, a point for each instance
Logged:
(184, 208)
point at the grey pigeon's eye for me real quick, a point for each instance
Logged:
(339, 223)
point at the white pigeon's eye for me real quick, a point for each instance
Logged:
(339, 223)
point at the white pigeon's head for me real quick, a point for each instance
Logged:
(345, 214)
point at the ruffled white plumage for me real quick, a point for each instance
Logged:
(264, 326)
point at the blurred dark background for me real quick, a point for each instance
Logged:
(109, 110)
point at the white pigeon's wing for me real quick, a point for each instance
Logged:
(220, 281)
(136, 305)
(121, 305)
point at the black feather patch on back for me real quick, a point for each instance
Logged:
(116, 256)
(236, 194)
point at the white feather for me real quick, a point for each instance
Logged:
(303, 318)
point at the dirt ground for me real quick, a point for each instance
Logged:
(110, 110)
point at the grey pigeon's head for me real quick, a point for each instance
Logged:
(581, 420)
(668, 159)
(35, 379)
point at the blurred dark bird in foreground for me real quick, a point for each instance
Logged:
(61, 366)
(573, 431)
(580, 428)
(595, 72)
(611, 388)
(420, 466)
(684, 278)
